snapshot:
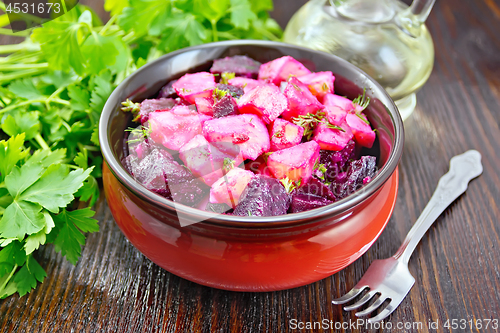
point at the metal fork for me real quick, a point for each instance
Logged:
(390, 277)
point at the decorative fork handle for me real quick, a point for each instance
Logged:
(463, 168)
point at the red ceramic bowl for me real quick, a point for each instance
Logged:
(251, 253)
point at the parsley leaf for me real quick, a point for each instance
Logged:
(21, 218)
(22, 178)
(184, 27)
(262, 5)
(22, 122)
(25, 89)
(80, 98)
(70, 237)
(102, 88)
(95, 136)
(11, 152)
(55, 187)
(115, 6)
(241, 14)
(141, 13)
(59, 78)
(10, 256)
(59, 41)
(100, 52)
(34, 241)
(26, 278)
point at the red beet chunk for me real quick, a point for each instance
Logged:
(234, 91)
(338, 101)
(264, 100)
(174, 128)
(217, 208)
(280, 70)
(332, 139)
(300, 100)
(259, 167)
(339, 157)
(191, 86)
(295, 163)
(205, 105)
(319, 83)
(302, 202)
(151, 105)
(160, 173)
(358, 173)
(246, 131)
(240, 65)
(226, 106)
(315, 187)
(204, 160)
(168, 90)
(263, 196)
(245, 83)
(335, 115)
(228, 189)
(335, 162)
(363, 133)
(148, 170)
(285, 134)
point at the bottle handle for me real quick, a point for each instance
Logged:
(411, 19)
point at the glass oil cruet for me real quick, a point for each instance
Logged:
(385, 38)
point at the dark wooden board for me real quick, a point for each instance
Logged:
(113, 288)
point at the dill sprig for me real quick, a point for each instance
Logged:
(321, 168)
(228, 164)
(363, 118)
(141, 132)
(265, 156)
(218, 94)
(278, 134)
(290, 185)
(226, 76)
(310, 120)
(362, 100)
(134, 108)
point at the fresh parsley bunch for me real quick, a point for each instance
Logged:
(53, 86)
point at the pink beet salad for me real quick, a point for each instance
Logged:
(251, 139)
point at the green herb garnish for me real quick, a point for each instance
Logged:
(265, 156)
(321, 168)
(134, 108)
(362, 101)
(228, 164)
(363, 118)
(289, 184)
(310, 120)
(296, 87)
(218, 94)
(278, 134)
(140, 133)
(225, 77)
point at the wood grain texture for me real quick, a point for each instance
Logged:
(113, 288)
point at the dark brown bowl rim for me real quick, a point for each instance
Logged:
(245, 221)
